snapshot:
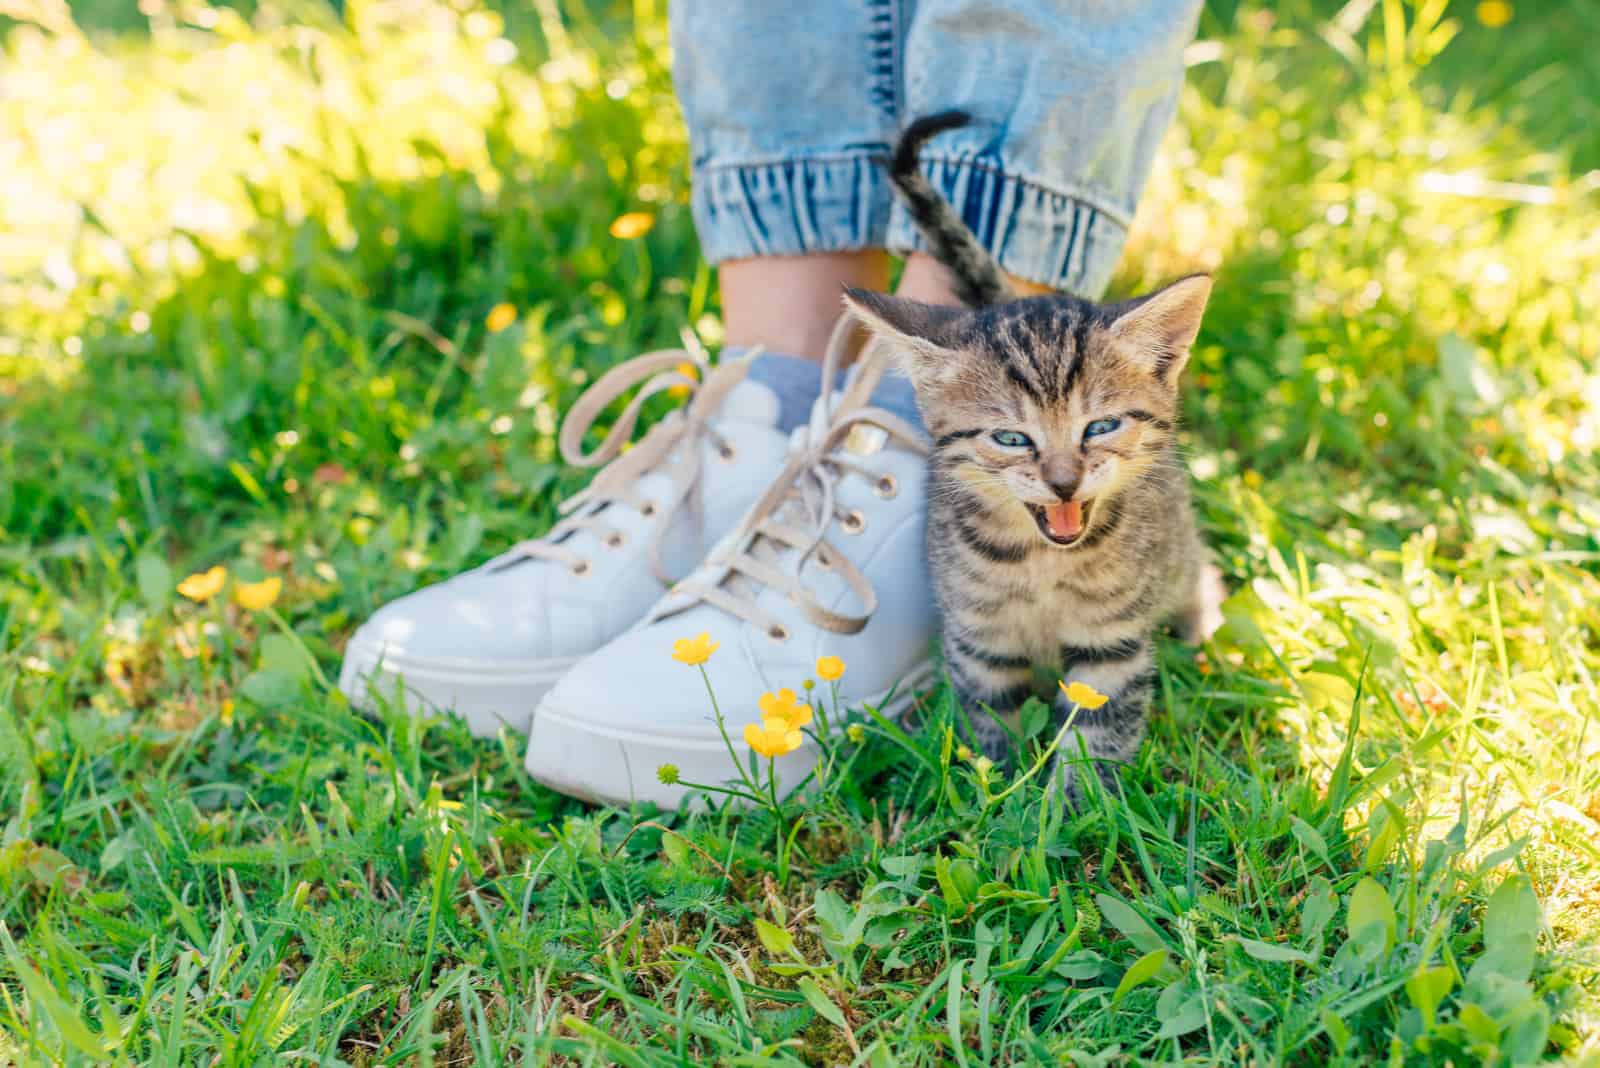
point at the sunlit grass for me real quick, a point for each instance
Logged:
(303, 299)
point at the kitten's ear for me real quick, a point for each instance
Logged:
(1161, 327)
(917, 333)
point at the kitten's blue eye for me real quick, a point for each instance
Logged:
(1101, 426)
(1011, 439)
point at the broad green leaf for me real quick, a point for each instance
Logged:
(1309, 837)
(1370, 910)
(1083, 965)
(833, 914)
(1180, 1009)
(1428, 987)
(965, 875)
(1526, 1033)
(1142, 971)
(1320, 906)
(904, 868)
(953, 900)
(1383, 832)
(280, 652)
(154, 577)
(675, 850)
(1510, 930)
(1479, 1024)
(270, 689)
(284, 671)
(1269, 951)
(1132, 925)
(776, 940)
(819, 1000)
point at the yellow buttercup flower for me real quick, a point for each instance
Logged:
(1083, 695)
(632, 224)
(1494, 13)
(784, 706)
(258, 595)
(856, 733)
(204, 585)
(696, 650)
(689, 371)
(226, 714)
(830, 668)
(500, 316)
(772, 737)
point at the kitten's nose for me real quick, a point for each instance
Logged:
(1065, 490)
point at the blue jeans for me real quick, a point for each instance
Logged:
(792, 106)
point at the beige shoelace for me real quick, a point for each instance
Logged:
(796, 512)
(617, 483)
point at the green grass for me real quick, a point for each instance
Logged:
(244, 273)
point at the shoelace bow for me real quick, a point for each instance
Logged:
(804, 489)
(617, 483)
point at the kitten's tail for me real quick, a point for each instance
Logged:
(978, 277)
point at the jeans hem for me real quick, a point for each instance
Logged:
(1058, 239)
(827, 202)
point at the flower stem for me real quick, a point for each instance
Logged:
(722, 729)
(1048, 752)
(743, 795)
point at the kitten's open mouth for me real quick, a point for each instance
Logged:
(1062, 524)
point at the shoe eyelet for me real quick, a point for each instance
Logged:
(854, 523)
(648, 510)
(778, 632)
(887, 487)
(615, 541)
(726, 453)
(824, 561)
(580, 568)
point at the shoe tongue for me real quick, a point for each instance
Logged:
(1064, 520)
(750, 402)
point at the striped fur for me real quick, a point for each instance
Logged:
(1012, 599)
(978, 277)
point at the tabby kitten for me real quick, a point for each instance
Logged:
(1060, 528)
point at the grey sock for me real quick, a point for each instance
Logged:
(796, 382)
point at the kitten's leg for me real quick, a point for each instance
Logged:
(1109, 735)
(987, 677)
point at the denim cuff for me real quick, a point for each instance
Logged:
(1049, 237)
(788, 207)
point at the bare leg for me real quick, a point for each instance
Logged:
(789, 304)
(928, 280)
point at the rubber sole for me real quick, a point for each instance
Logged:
(573, 754)
(488, 697)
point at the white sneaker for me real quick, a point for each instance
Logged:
(488, 643)
(829, 562)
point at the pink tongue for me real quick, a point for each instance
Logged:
(1064, 520)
